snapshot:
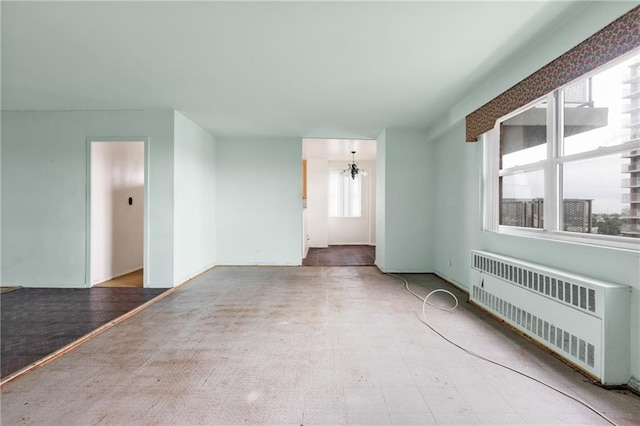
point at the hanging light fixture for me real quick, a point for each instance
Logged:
(352, 169)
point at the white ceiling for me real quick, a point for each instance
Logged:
(307, 69)
(339, 149)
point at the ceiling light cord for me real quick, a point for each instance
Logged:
(424, 321)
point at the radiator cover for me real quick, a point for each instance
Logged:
(583, 320)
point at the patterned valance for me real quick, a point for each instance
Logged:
(616, 39)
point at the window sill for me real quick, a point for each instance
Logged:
(596, 240)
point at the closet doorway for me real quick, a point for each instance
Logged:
(116, 213)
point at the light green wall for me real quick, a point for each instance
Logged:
(591, 18)
(44, 192)
(194, 248)
(457, 203)
(1, 161)
(457, 230)
(381, 213)
(406, 186)
(259, 201)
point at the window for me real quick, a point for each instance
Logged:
(345, 195)
(568, 165)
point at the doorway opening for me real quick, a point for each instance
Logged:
(117, 213)
(339, 202)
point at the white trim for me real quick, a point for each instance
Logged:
(490, 145)
(557, 192)
(538, 165)
(552, 174)
(624, 243)
(600, 152)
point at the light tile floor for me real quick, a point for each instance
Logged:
(322, 345)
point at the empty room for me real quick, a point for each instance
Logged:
(320, 212)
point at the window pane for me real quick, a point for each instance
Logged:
(599, 194)
(523, 138)
(604, 109)
(522, 199)
(345, 198)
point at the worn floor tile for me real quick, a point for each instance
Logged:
(312, 346)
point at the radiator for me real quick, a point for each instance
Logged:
(583, 320)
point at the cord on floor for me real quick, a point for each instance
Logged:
(425, 302)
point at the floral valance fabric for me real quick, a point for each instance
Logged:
(616, 39)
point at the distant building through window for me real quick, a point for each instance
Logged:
(530, 214)
(631, 92)
(570, 162)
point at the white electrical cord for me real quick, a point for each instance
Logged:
(424, 321)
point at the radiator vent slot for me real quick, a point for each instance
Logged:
(573, 346)
(581, 319)
(551, 285)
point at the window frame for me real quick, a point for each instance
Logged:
(552, 167)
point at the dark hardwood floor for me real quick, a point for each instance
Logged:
(39, 321)
(341, 256)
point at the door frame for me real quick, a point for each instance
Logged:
(374, 187)
(145, 225)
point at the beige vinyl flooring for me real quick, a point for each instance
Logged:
(300, 345)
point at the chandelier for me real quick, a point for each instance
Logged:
(352, 169)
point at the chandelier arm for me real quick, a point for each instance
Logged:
(353, 167)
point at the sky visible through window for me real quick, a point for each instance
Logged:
(598, 179)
